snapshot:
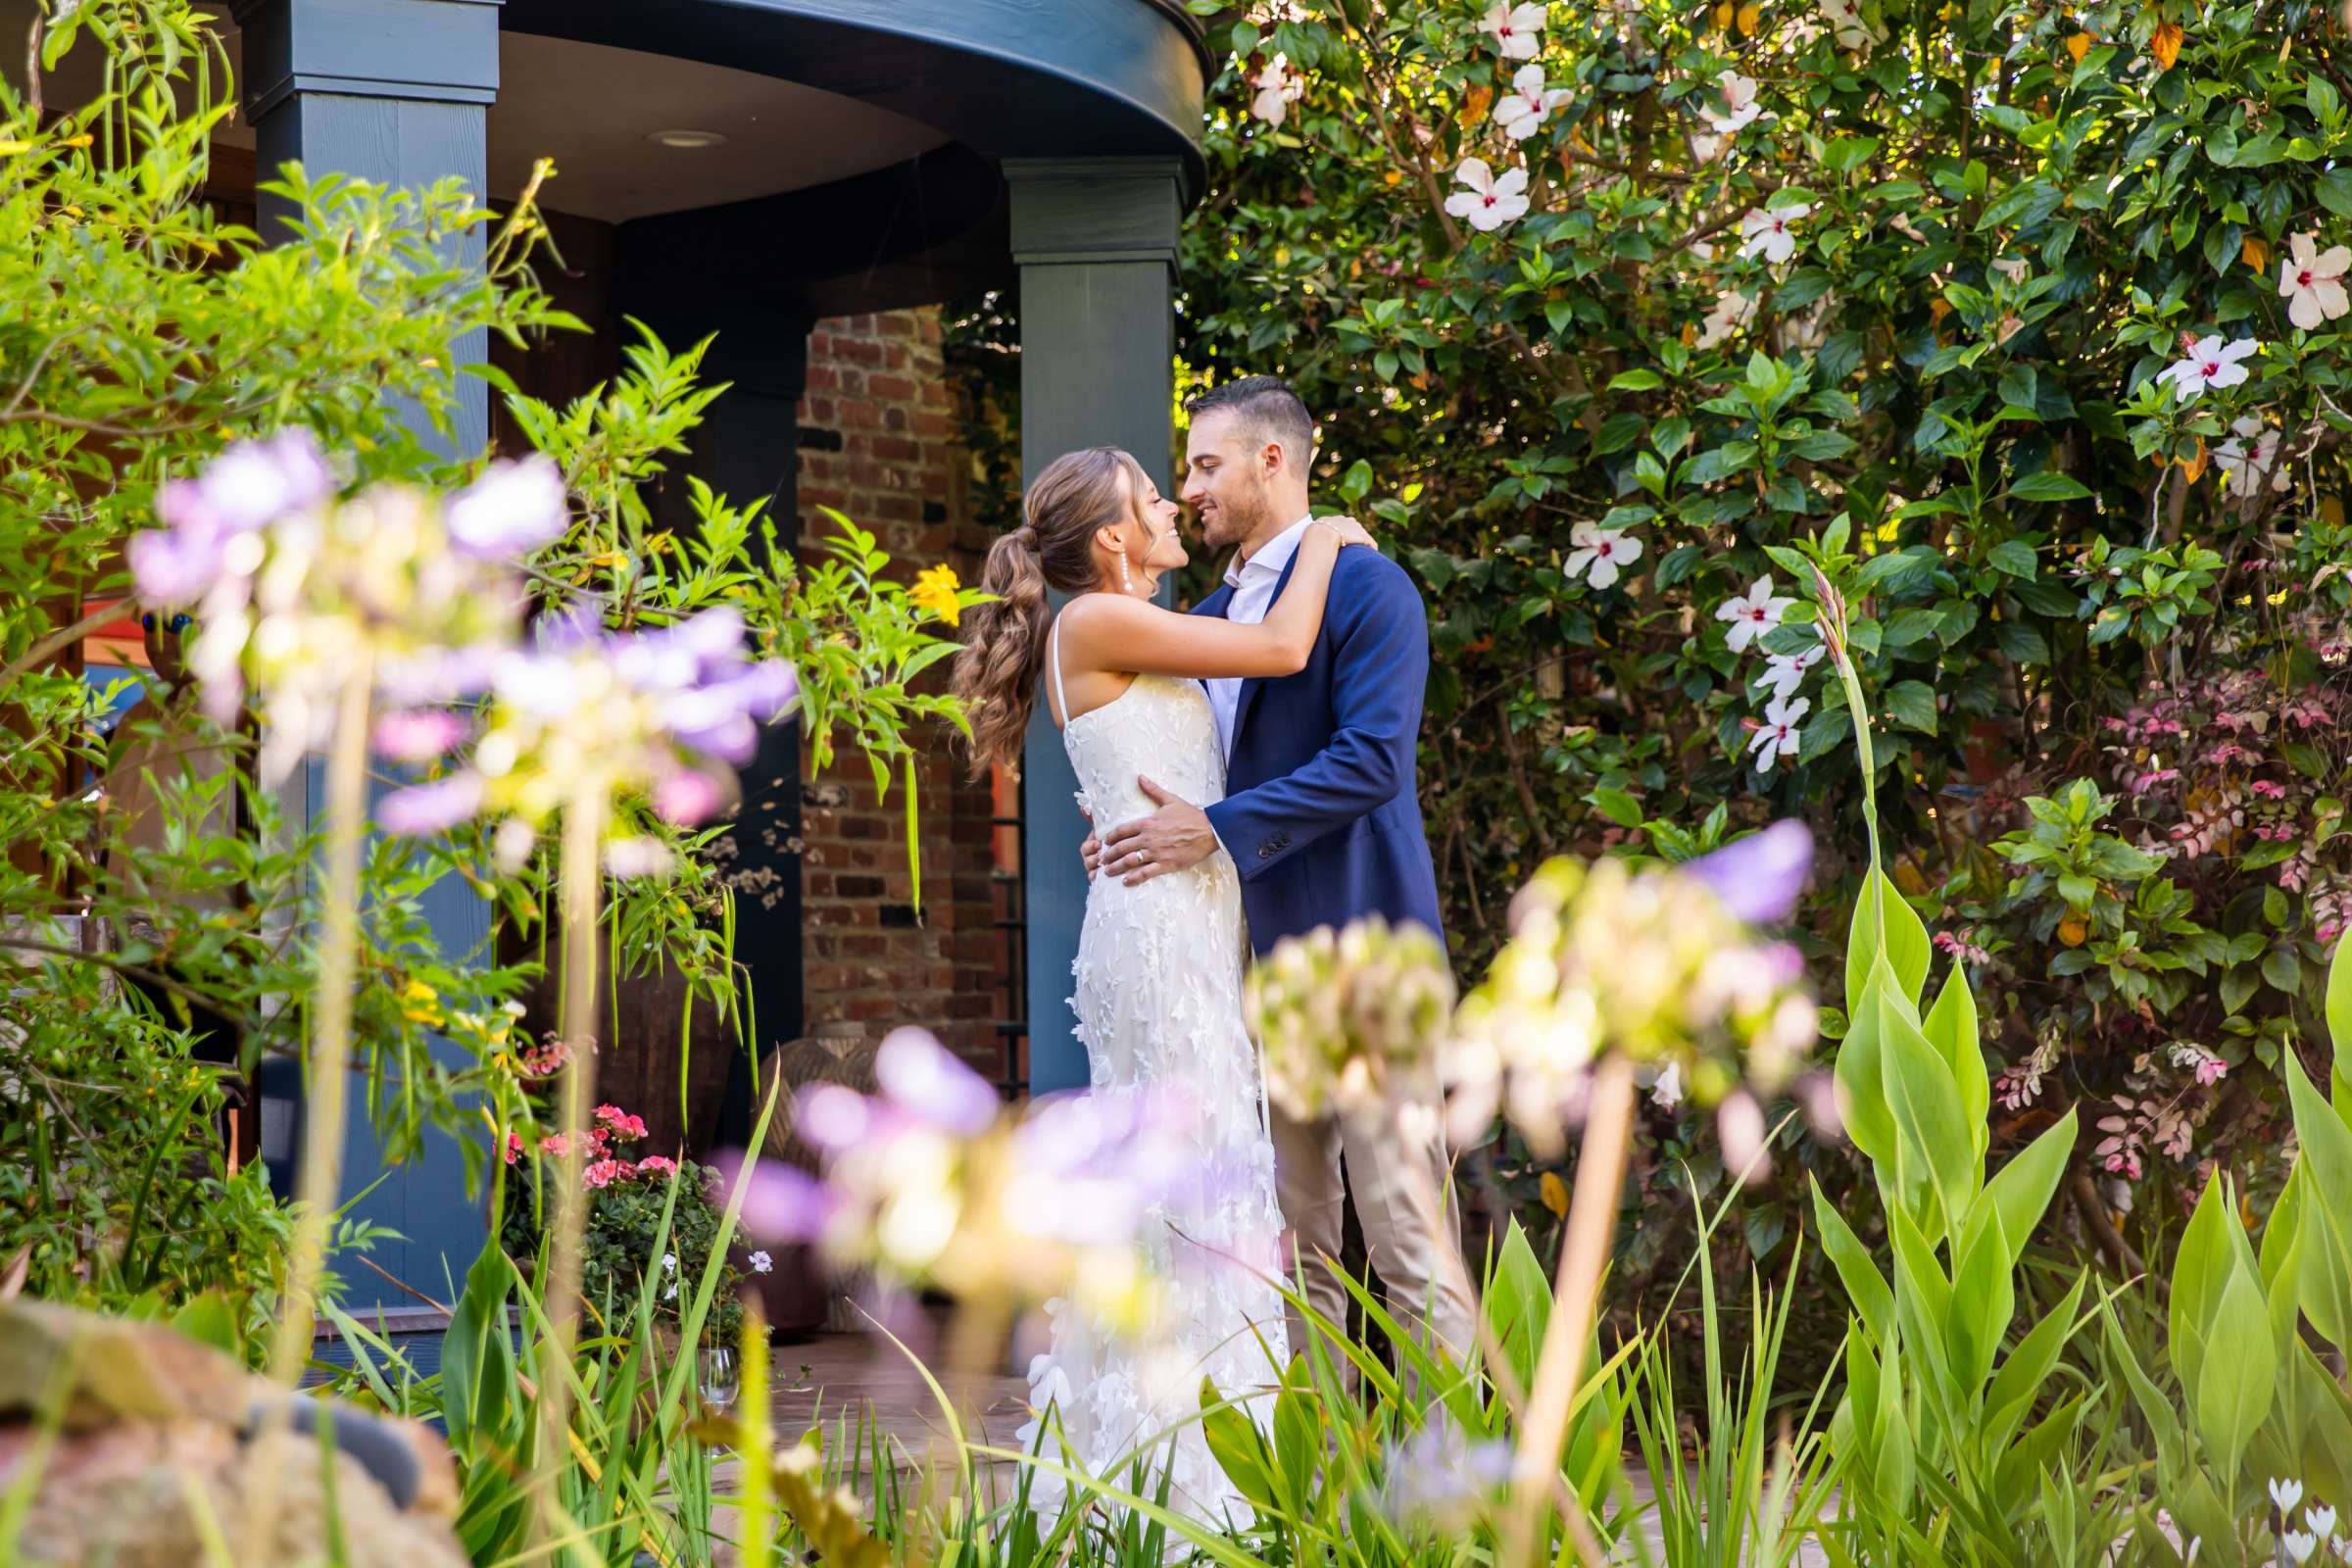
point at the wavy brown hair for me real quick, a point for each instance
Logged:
(1005, 641)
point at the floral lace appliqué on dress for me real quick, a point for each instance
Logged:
(1160, 1009)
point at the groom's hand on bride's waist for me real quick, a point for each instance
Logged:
(1174, 838)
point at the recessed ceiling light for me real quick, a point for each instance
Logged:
(686, 138)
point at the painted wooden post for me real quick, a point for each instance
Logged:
(395, 92)
(1096, 241)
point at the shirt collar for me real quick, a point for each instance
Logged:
(1272, 558)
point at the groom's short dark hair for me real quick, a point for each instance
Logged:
(1266, 407)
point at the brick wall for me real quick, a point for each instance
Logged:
(877, 445)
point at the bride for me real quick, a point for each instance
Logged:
(1159, 963)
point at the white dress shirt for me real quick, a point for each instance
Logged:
(1252, 582)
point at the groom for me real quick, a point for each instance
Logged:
(1323, 819)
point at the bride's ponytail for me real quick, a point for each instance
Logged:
(995, 676)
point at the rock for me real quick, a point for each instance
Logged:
(152, 1494)
(119, 1369)
(169, 1452)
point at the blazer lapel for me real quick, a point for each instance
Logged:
(1250, 686)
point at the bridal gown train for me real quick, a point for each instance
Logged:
(1160, 1008)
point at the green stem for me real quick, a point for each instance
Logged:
(1551, 1399)
(320, 1177)
(583, 831)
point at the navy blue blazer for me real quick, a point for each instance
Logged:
(1322, 812)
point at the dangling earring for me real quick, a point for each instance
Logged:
(1126, 583)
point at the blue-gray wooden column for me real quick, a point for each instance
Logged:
(395, 92)
(1096, 240)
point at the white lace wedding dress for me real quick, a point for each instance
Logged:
(1160, 1009)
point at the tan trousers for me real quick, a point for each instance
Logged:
(1391, 1206)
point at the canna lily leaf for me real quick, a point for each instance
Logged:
(1860, 1077)
(1905, 948)
(1925, 1103)
(2327, 1204)
(1951, 1028)
(1983, 1300)
(2022, 1189)
(2199, 1273)
(1865, 1285)
(2235, 1386)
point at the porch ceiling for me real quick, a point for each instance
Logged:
(594, 108)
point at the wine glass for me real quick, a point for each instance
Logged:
(719, 1377)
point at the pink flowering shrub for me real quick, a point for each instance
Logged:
(627, 1249)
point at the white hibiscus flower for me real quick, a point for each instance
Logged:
(1606, 551)
(1770, 234)
(1844, 18)
(1517, 31)
(1278, 87)
(1740, 108)
(1487, 200)
(2213, 362)
(2246, 470)
(2312, 281)
(1777, 737)
(1732, 311)
(1520, 113)
(1751, 614)
(1784, 673)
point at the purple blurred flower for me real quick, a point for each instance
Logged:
(1758, 877)
(781, 1202)
(419, 734)
(248, 486)
(173, 566)
(1439, 1477)
(1092, 1165)
(837, 1118)
(253, 483)
(921, 1078)
(512, 508)
(431, 807)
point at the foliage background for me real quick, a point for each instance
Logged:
(2004, 217)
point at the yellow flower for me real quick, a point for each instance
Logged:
(10, 146)
(419, 1003)
(935, 590)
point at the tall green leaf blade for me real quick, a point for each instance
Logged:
(1923, 1306)
(2017, 1386)
(1865, 1287)
(2022, 1189)
(1860, 1077)
(2339, 998)
(1951, 1028)
(1983, 1300)
(2236, 1385)
(2200, 1271)
(1905, 945)
(1926, 1105)
(2326, 1171)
